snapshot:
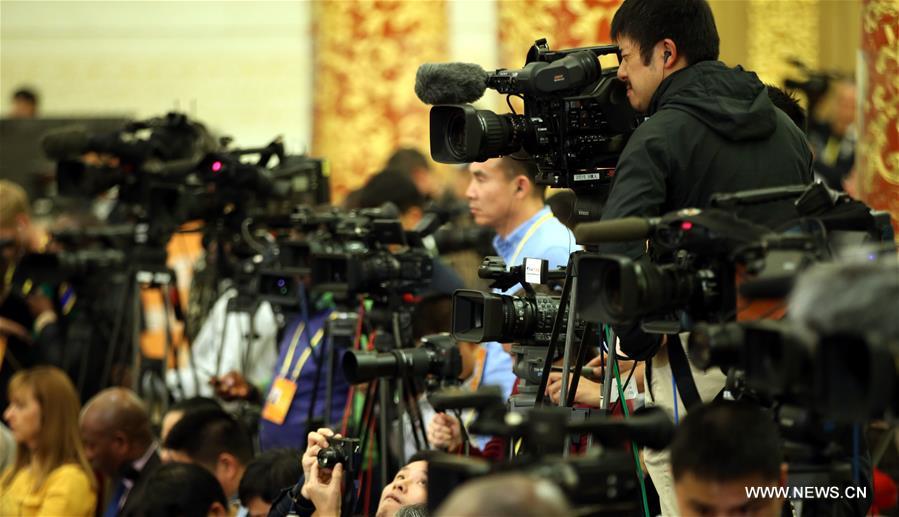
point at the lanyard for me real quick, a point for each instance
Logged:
(295, 375)
(288, 357)
(537, 224)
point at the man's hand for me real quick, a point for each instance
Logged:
(589, 393)
(232, 386)
(445, 432)
(10, 328)
(324, 490)
(315, 442)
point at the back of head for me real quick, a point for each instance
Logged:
(179, 490)
(390, 186)
(726, 441)
(268, 474)
(59, 440)
(13, 202)
(689, 23)
(789, 104)
(506, 494)
(119, 409)
(204, 434)
(407, 160)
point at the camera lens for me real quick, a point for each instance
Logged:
(329, 458)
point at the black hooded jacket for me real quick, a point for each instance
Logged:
(711, 129)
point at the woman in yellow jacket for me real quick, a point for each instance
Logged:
(51, 475)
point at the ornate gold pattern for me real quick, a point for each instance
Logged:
(366, 55)
(877, 168)
(778, 30)
(564, 23)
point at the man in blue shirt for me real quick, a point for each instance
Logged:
(503, 195)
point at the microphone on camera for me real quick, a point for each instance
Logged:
(450, 83)
(615, 230)
(66, 142)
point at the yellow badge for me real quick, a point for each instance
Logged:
(277, 404)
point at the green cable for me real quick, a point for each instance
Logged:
(627, 415)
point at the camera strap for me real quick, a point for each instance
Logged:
(683, 376)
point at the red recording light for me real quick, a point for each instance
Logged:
(686, 226)
(216, 166)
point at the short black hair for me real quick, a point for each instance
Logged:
(26, 94)
(689, 23)
(205, 433)
(432, 314)
(268, 474)
(179, 490)
(194, 403)
(406, 160)
(390, 186)
(727, 440)
(423, 455)
(789, 104)
(522, 164)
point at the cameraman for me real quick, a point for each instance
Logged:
(710, 129)
(30, 332)
(504, 196)
(320, 493)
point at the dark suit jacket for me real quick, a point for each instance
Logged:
(140, 479)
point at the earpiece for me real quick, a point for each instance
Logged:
(666, 55)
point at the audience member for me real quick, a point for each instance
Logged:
(177, 411)
(506, 494)
(217, 442)
(51, 475)
(180, 490)
(265, 477)
(415, 165)
(118, 442)
(24, 103)
(720, 450)
(832, 134)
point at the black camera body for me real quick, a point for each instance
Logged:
(576, 120)
(436, 360)
(345, 451)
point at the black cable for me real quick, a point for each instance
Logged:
(612, 408)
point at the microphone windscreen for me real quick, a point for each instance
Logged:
(615, 230)
(66, 142)
(450, 83)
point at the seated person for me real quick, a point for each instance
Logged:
(506, 494)
(180, 489)
(265, 477)
(718, 451)
(215, 441)
(320, 492)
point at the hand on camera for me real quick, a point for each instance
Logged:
(315, 442)
(324, 490)
(232, 386)
(588, 393)
(445, 432)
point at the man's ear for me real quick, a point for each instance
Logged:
(522, 186)
(216, 510)
(229, 464)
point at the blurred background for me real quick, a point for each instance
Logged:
(335, 77)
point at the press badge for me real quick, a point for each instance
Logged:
(277, 404)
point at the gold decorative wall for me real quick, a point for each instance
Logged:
(564, 23)
(779, 30)
(877, 164)
(366, 55)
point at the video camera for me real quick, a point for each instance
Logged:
(701, 254)
(436, 360)
(576, 116)
(601, 482)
